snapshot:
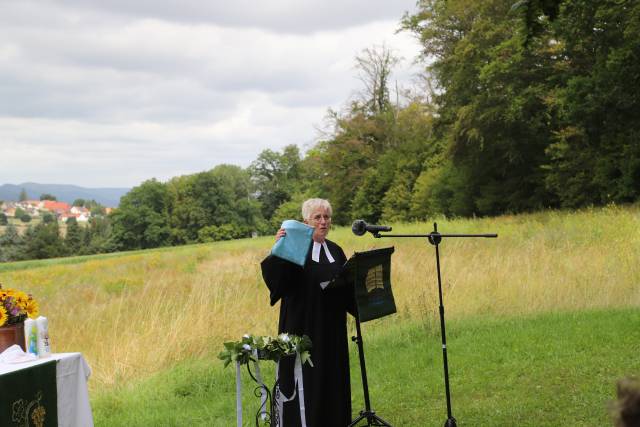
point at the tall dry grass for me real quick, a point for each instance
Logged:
(138, 313)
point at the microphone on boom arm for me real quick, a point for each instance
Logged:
(360, 227)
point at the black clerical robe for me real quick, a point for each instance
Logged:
(308, 309)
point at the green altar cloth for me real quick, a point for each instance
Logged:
(28, 397)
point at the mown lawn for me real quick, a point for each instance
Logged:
(546, 370)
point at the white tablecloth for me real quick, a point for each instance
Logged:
(72, 373)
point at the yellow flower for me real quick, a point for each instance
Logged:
(20, 305)
(22, 299)
(32, 308)
(3, 316)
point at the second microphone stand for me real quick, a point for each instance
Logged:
(435, 238)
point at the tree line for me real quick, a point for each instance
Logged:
(521, 106)
(537, 103)
(45, 240)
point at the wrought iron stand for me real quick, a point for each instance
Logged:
(268, 408)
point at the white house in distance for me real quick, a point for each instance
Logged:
(81, 213)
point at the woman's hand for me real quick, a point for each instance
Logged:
(280, 234)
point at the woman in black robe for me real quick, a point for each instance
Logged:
(307, 308)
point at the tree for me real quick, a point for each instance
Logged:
(344, 162)
(43, 241)
(142, 219)
(97, 237)
(10, 244)
(74, 237)
(3, 219)
(213, 233)
(23, 195)
(213, 198)
(343, 167)
(78, 202)
(385, 193)
(532, 11)
(98, 210)
(492, 105)
(275, 177)
(288, 210)
(375, 66)
(337, 166)
(18, 213)
(594, 157)
(47, 196)
(48, 218)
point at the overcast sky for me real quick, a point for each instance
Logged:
(109, 93)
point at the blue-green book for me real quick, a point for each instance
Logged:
(294, 246)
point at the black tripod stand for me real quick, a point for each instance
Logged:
(435, 238)
(366, 413)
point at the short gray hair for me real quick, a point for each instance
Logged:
(311, 205)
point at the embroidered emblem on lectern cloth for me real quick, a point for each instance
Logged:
(375, 279)
(22, 409)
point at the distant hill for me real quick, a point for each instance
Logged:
(109, 197)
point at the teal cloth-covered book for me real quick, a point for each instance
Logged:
(294, 245)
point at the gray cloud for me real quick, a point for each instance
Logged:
(113, 93)
(280, 16)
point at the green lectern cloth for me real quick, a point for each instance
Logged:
(370, 275)
(28, 397)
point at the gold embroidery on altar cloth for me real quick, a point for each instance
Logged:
(37, 416)
(22, 409)
(374, 279)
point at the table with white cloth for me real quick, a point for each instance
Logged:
(72, 373)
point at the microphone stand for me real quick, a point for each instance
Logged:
(435, 238)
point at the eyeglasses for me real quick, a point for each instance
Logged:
(319, 217)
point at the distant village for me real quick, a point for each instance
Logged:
(37, 208)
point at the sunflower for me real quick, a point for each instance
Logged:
(32, 308)
(22, 299)
(3, 316)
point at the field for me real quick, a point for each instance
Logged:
(541, 322)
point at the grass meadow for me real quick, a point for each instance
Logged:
(541, 322)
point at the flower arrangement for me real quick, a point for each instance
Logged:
(267, 348)
(16, 306)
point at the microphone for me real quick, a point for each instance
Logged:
(360, 227)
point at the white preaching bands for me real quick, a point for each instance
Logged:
(315, 252)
